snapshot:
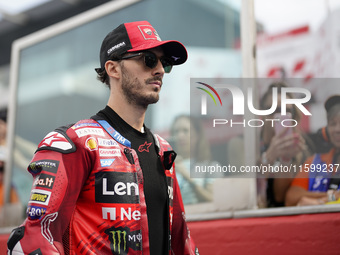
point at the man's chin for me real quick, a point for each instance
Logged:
(148, 101)
(154, 98)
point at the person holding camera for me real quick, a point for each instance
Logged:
(318, 179)
(280, 146)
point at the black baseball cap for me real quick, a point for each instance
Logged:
(331, 101)
(138, 36)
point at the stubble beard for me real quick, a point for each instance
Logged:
(133, 90)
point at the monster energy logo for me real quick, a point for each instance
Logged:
(47, 165)
(118, 240)
(121, 239)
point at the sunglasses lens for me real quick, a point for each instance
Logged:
(151, 61)
(167, 65)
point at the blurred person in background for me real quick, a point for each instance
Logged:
(192, 149)
(3, 126)
(280, 147)
(10, 213)
(3, 153)
(22, 154)
(13, 198)
(317, 181)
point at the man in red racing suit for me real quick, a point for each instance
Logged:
(77, 218)
(99, 187)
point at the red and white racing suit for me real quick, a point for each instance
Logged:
(88, 197)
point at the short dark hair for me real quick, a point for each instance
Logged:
(103, 77)
(3, 114)
(279, 85)
(102, 74)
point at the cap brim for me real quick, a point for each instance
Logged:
(332, 101)
(173, 49)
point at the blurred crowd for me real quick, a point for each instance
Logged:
(316, 157)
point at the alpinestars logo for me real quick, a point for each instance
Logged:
(122, 239)
(55, 140)
(144, 147)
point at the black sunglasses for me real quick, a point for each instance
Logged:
(151, 60)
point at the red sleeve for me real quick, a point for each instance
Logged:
(181, 241)
(59, 170)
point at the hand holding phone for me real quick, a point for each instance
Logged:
(287, 139)
(286, 128)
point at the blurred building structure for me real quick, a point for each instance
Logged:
(20, 22)
(311, 57)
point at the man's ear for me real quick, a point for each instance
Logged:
(112, 69)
